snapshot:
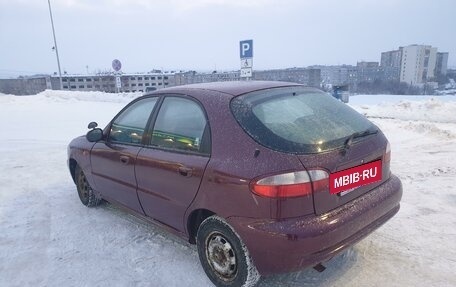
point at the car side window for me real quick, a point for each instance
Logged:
(129, 126)
(181, 124)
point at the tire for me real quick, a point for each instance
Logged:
(224, 257)
(85, 191)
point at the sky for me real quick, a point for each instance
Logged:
(204, 35)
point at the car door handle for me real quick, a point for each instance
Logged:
(124, 159)
(185, 171)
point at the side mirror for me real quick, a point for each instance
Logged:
(92, 125)
(94, 135)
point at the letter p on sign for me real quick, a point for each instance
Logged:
(246, 49)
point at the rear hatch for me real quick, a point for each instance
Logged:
(325, 134)
(361, 153)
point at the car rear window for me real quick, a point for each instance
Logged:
(297, 119)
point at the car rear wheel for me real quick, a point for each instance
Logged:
(85, 191)
(224, 257)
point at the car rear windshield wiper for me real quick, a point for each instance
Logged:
(349, 140)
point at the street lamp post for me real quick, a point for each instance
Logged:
(55, 45)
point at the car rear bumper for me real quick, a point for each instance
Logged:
(278, 246)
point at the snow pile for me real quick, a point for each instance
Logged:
(430, 110)
(430, 129)
(357, 100)
(89, 96)
(71, 96)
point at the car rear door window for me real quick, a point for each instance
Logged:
(129, 126)
(181, 124)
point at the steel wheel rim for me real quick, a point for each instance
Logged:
(84, 187)
(221, 256)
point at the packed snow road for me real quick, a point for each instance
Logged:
(48, 238)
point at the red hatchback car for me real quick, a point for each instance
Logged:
(264, 177)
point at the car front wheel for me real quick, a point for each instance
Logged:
(85, 191)
(224, 257)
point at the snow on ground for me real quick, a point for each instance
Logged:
(431, 109)
(48, 238)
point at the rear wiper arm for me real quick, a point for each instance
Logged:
(355, 135)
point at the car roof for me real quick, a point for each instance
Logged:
(233, 88)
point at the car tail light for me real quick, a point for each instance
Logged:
(291, 184)
(320, 180)
(387, 156)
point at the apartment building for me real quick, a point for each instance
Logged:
(441, 66)
(417, 64)
(338, 75)
(391, 59)
(193, 77)
(107, 82)
(307, 76)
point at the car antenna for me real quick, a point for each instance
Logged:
(256, 153)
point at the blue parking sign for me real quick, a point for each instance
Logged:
(246, 49)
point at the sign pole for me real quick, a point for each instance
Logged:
(117, 65)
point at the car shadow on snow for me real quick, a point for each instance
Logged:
(335, 268)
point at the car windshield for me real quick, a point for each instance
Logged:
(297, 119)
